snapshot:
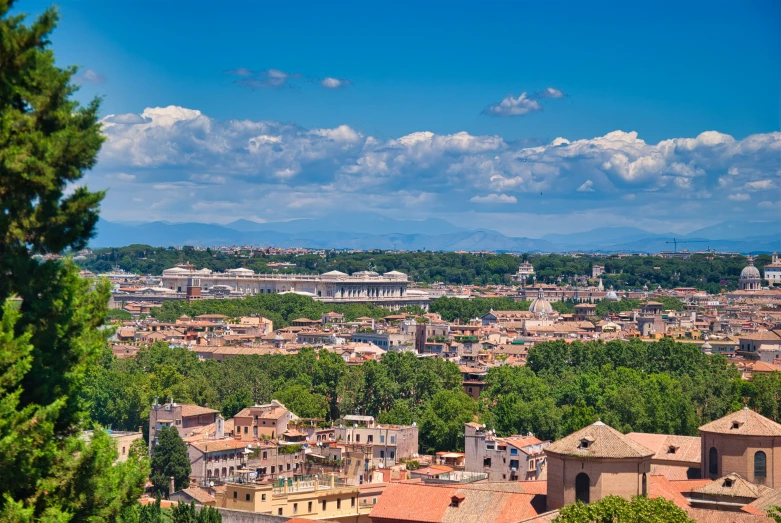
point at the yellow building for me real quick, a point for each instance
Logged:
(324, 498)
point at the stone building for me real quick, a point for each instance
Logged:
(650, 321)
(595, 462)
(745, 443)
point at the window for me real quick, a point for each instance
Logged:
(713, 462)
(265, 455)
(486, 462)
(382, 438)
(295, 508)
(255, 431)
(582, 487)
(272, 469)
(382, 454)
(760, 466)
(392, 454)
(645, 485)
(263, 497)
(352, 502)
(324, 504)
(357, 438)
(514, 465)
(309, 507)
(338, 504)
(393, 440)
(370, 439)
(246, 497)
(279, 511)
(246, 430)
(235, 494)
(513, 452)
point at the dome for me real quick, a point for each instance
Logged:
(749, 272)
(540, 305)
(611, 294)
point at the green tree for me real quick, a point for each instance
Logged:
(302, 402)
(442, 421)
(184, 513)
(614, 509)
(50, 337)
(169, 458)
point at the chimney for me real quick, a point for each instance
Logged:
(171, 486)
(456, 500)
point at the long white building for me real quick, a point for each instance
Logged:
(388, 289)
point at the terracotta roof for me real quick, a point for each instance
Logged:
(732, 485)
(520, 442)
(761, 336)
(660, 487)
(199, 495)
(196, 410)
(671, 472)
(487, 502)
(599, 441)
(670, 448)
(745, 422)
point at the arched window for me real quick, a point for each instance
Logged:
(645, 485)
(760, 466)
(582, 487)
(713, 462)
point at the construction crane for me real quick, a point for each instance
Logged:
(675, 242)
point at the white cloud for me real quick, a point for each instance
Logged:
(283, 165)
(587, 186)
(550, 92)
(334, 83)
(739, 197)
(511, 106)
(494, 198)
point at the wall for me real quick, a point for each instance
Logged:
(736, 454)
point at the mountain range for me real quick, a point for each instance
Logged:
(373, 231)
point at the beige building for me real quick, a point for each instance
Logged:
(216, 459)
(324, 498)
(390, 443)
(742, 442)
(123, 439)
(595, 462)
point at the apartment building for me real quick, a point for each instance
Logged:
(262, 421)
(389, 443)
(186, 418)
(504, 459)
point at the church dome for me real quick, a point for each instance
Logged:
(749, 272)
(540, 305)
(611, 295)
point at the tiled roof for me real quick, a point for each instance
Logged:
(732, 485)
(199, 495)
(660, 487)
(744, 422)
(761, 336)
(720, 516)
(686, 448)
(671, 472)
(488, 502)
(767, 499)
(196, 410)
(603, 442)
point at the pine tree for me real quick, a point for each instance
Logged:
(49, 337)
(169, 458)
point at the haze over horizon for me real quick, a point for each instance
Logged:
(524, 118)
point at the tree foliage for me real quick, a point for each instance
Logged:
(614, 509)
(169, 459)
(50, 338)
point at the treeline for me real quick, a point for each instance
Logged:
(282, 309)
(452, 309)
(632, 272)
(662, 387)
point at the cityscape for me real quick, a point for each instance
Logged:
(390, 262)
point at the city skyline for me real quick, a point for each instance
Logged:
(524, 118)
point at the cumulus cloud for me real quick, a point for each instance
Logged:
(90, 77)
(523, 104)
(494, 198)
(282, 165)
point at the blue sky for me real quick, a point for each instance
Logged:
(335, 97)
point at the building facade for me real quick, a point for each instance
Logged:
(503, 459)
(186, 418)
(390, 443)
(388, 289)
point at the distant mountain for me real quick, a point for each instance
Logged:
(370, 231)
(738, 230)
(365, 223)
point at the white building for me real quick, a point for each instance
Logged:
(525, 270)
(773, 271)
(388, 289)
